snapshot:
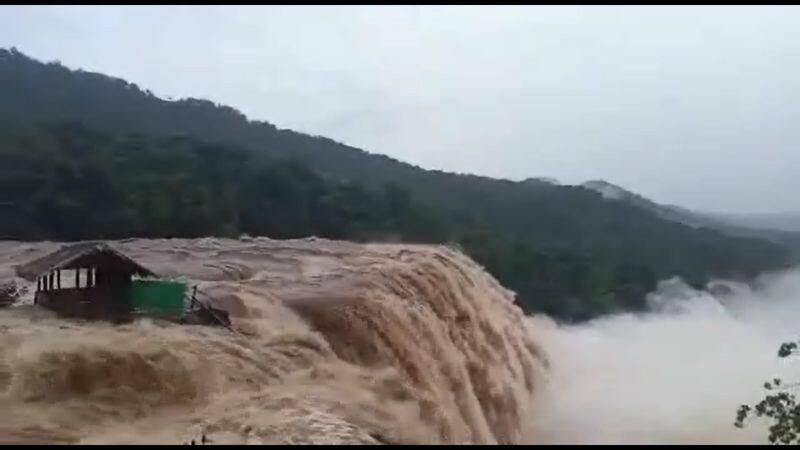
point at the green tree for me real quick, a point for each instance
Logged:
(780, 406)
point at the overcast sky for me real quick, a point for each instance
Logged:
(696, 106)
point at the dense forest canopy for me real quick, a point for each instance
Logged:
(86, 156)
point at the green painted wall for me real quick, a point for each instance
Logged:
(157, 297)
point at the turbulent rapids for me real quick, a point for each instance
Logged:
(335, 342)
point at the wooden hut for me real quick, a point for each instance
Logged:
(94, 281)
(89, 279)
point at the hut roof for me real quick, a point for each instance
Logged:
(83, 254)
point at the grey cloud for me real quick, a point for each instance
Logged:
(695, 106)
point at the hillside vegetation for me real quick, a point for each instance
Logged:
(86, 156)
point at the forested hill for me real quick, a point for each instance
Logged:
(83, 155)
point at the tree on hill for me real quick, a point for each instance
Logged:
(84, 155)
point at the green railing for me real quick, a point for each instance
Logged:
(158, 297)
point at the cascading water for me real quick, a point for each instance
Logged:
(350, 343)
(340, 343)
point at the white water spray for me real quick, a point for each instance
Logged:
(674, 375)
